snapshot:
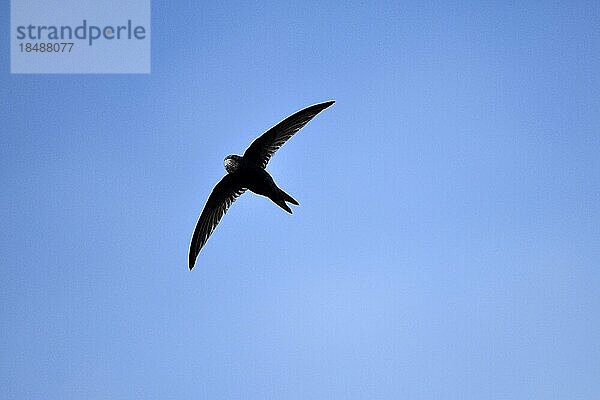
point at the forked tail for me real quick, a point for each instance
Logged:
(289, 198)
(281, 201)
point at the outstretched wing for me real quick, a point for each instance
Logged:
(261, 150)
(222, 196)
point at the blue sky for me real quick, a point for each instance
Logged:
(447, 239)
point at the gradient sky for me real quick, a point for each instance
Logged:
(447, 243)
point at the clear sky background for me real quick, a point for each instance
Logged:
(447, 243)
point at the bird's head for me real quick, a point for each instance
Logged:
(232, 163)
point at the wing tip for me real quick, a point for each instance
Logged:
(191, 260)
(319, 106)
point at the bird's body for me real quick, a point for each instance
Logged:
(247, 172)
(259, 181)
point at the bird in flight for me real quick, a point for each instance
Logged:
(247, 172)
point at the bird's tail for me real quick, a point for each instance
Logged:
(283, 204)
(289, 198)
(281, 201)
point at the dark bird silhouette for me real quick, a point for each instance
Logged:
(248, 172)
